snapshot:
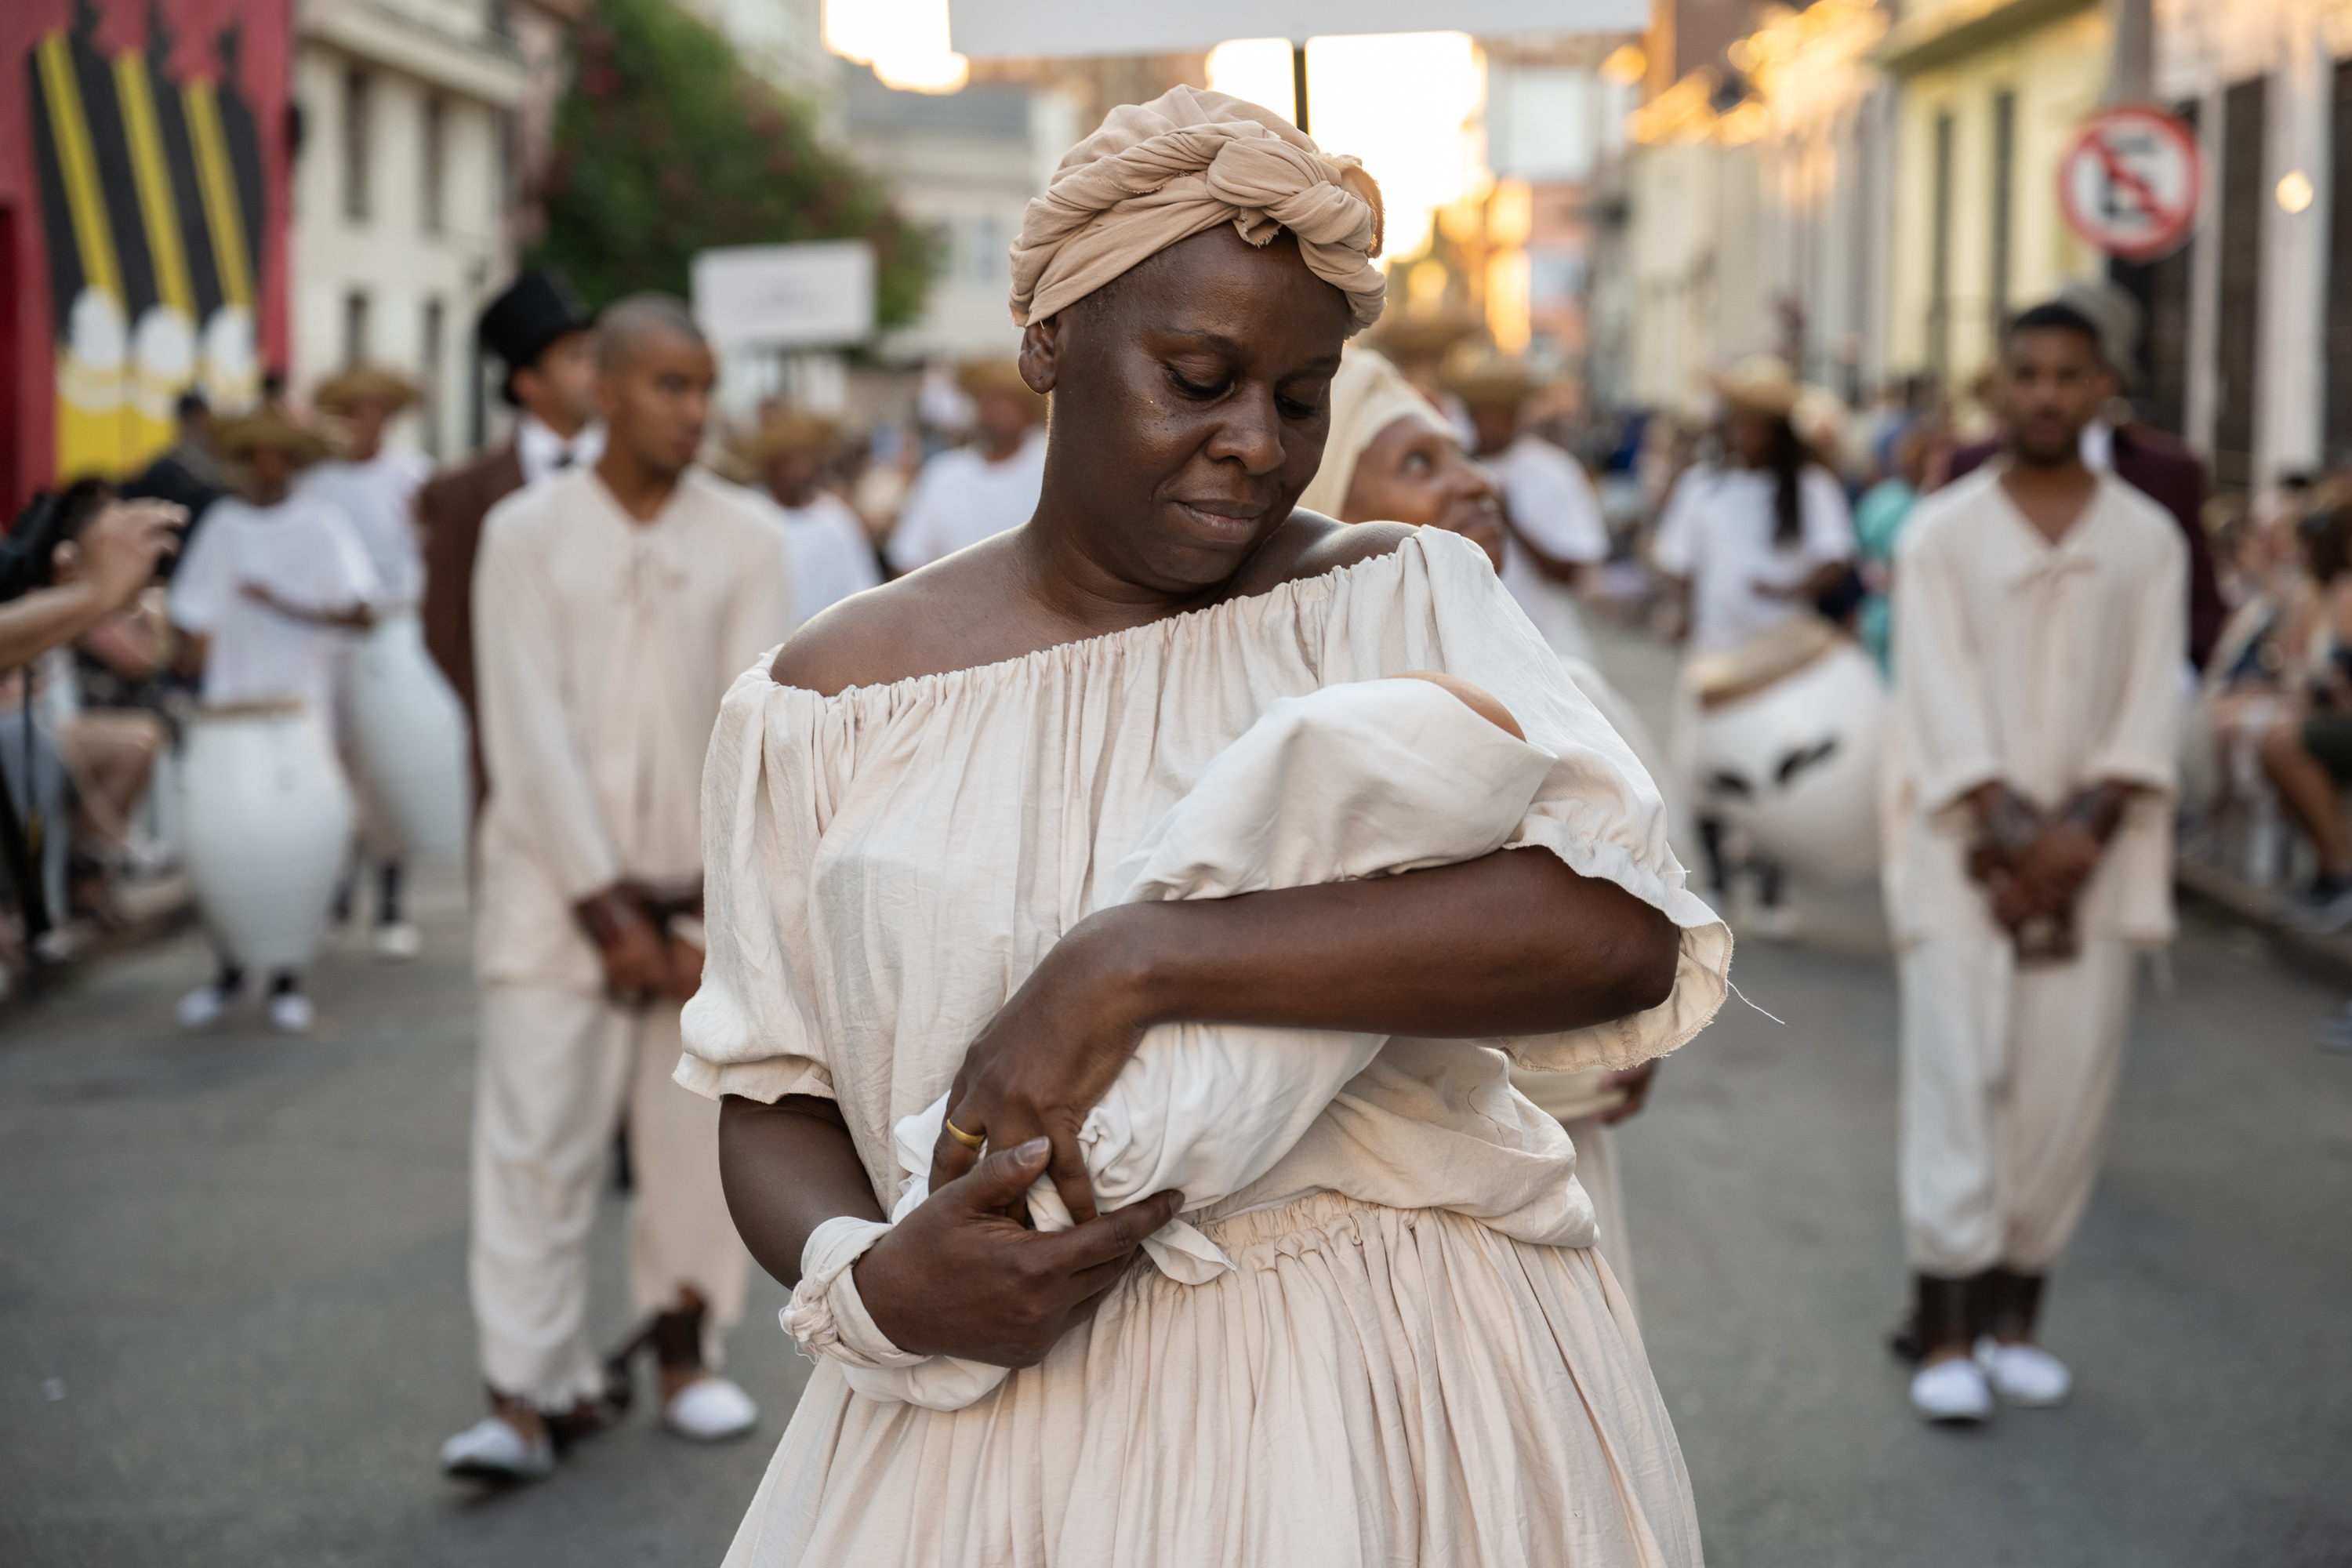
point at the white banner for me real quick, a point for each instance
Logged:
(815, 295)
(984, 29)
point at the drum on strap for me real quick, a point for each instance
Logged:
(268, 824)
(408, 732)
(1788, 734)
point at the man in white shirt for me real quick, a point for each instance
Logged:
(374, 484)
(1556, 533)
(975, 492)
(271, 590)
(2038, 648)
(831, 558)
(612, 607)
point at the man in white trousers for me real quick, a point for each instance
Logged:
(612, 606)
(2039, 651)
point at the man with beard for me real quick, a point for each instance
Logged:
(2038, 652)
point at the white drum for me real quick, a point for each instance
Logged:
(1794, 763)
(268, 824)
(409, 732)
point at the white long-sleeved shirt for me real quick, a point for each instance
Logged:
(1551, 502)
(961, 498)
(2048, 667)
(603, 647)
(1717, 534)
(379, 496)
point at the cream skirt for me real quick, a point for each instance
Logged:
(1370, 1385)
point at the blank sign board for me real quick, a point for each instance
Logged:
(818, 295)
(994, 29)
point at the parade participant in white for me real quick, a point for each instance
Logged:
(2038, 650)
(831, 558)
(1557, 536)
(613, 604)
(909, 808)
(1391, 456)
(1749, 545)
(971, 493)
(375, 485)
(272, 589)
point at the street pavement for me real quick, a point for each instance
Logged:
(233, 1310)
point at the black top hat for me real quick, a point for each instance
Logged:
(536, 308)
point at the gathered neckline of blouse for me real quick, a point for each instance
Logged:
(1063, 653)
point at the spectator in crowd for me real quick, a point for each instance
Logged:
(188, 473)
(1878, 523)
(2306, 749)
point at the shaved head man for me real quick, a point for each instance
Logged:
(613, 605)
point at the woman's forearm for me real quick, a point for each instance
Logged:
(1515, 944)
(787, 1168)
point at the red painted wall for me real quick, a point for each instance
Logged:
(192, 29)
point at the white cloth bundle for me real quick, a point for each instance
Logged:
(1349, 782)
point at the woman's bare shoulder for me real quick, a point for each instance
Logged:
(1311, 545)
(902, 629)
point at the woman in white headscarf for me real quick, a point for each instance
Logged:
(908, 814)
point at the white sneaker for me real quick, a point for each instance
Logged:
(291, 1012)
(2024, 1374)
(204, 1006)
(490, 1450)
(710, 1409)
(1951, 1391)
(398, 941)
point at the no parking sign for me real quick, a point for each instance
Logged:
(2130, 182)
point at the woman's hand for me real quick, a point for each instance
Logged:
(1046, 1057)
(957, 1277)
(1635, 1081)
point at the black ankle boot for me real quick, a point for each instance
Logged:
(1943, 1311)
(2013, 1304)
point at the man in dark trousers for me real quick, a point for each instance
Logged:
(2141, 456)
(543, 335)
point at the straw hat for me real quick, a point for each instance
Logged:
(1760, 382)
(367, 383)
(783, 433)
(1408, 334)
(1494, 382)
(269, 426)
(975, 377)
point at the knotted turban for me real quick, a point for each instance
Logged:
(1162, 172)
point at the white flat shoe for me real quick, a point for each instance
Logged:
(291, 1012)
(711, 1410)
(1951, 1391)
(398, 941)
(2024, 1374)
(490, 1450)
(204, 1006)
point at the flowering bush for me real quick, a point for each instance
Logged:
(665, 144)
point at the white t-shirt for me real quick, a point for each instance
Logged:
(305, 552)
(961, 498)
(379, 498)
(1550, 502)
(831, 557)
(1717, 533)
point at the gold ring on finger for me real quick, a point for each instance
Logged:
(973, 1141)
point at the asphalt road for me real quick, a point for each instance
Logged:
(232, 1323)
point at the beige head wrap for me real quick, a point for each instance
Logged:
(1368, 395)
(1162, 172)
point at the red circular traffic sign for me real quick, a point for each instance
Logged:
(2130, 182)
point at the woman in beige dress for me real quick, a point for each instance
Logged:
(907, 812)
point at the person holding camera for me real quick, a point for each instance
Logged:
(73, 560)
(273, 587)
(613, 604)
